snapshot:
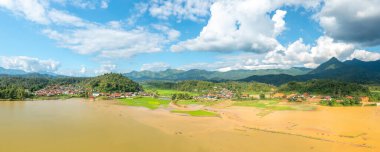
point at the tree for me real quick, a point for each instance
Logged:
(262, 96)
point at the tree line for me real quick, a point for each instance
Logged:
(326, 87)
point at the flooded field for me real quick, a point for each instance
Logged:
(79, 125)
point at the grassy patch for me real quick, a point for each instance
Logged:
(169, 93)
(148, 102)
(273, 105)
(197, 113)
(58, 97)
(195, 102)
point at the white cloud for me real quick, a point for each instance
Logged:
(299, 53)
(32, 10)
(157, 66)
(106, 42)
(279, 23)
(66, 19)
(194, 10)
(351, 20)
(365, 55)
(105, 68)
(83, 69)
(171, 34)
(28, 64)
(84, 4)
(242, 25)
(246, 61)
(104, 4)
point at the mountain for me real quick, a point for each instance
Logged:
(351, 71)
(331, 64)
(11, 71)
(21, 73)
(196, 74)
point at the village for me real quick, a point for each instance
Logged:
(55, 90)
(212, 95)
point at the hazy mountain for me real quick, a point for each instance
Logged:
(11, 71)
(351, 70)
(21, 73)
(196, 74)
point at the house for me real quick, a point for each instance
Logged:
(327, 98)
(245, 95)
(279, 95)
(364, 99)
(95, 94)
(306, 95)
(116, 95)
(349, 97)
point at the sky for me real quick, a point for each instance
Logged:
(92, 37)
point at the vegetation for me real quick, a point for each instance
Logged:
(166, 92)
(197, 113)
(181, 96)
(148, 102)
(202, 87)
(262, 96)
(326, 87)
(197, 102)
(19, 88)
(375, 96)
(179, 75)
(273, 105)
(344, 102)
(112, 83)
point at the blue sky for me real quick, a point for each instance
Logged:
(85, 38)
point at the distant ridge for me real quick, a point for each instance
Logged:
(21, 73)
(196, 74)
(351, 71)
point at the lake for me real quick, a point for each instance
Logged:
(80, 125)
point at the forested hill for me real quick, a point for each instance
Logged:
(112, 82)
(195, 74)
(350, 71)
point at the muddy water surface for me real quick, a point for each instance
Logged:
(79, 126)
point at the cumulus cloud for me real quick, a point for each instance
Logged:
(171, 34)
(194, 10)
(105, 68)
(365, 55)
(28, 64)
(106, 42)
(246, 61)
(157, 66)
(241, 26)
(299, 53)
(351, 20)
(84, 37)
(279, 23)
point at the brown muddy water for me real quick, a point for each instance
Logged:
(76, 125)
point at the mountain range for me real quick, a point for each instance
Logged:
(196, 74)
(21, 73)
(350, 70)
